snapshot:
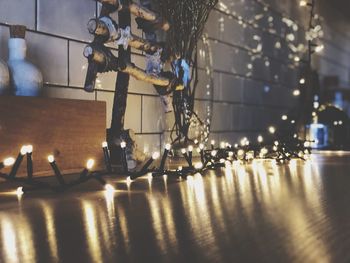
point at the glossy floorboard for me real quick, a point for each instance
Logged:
(255, 213)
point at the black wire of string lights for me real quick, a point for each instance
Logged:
(212, 158)
(31, 184)
(209, 157)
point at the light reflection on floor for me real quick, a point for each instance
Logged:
(259, 212)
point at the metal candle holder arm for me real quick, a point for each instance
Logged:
(102, 60)
(106, 30)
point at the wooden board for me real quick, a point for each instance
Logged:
(71, 130)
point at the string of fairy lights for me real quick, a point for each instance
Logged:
(313, 33)
(199, 157)
(210, 156)
(289, 35)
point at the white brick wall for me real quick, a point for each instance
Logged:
(242, 106)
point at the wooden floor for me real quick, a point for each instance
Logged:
(254, 213)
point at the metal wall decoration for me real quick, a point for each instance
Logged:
(178, 50)
(101, 59)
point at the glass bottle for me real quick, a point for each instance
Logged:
(26, 79)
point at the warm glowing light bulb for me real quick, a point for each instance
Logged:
(109, 188)
(90, 163)
(272, 129)
(250, 155)
(222, 144)
(201, 146)
(264, 151)
(284, 117)
(302, 3)
(212, 142)
(9, 161)
(123, 144)
(243, 141)
(195, 141)
(190, 148)
(260, 139)
(19, 191)
(104, 145)
(198, 165)
(276, 143)
(155, 155)
(302, 81)
(168, 146)
(50, 158)
(240, 152)
(213, 153)
(296, 92)
(183, 150)
(29, 148)
(319, 48)
(128, 180)
(24, 149)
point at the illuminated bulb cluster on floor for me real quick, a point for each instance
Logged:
(226, 155)
(32, 184)
(210, 158)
